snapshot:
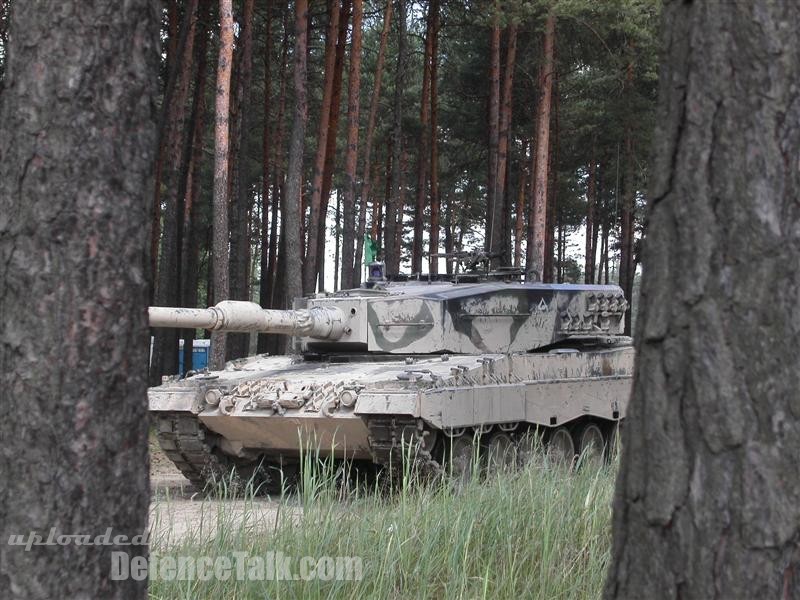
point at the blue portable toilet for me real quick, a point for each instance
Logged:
(200, 353)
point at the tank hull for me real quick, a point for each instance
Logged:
(355, 406)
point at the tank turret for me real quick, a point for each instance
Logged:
(420, 317)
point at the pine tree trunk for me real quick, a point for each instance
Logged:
(422, 148)
(708, 498)
(626, 263)
(434, 167)
(588, 265)
(176, 43)
(337, 233)
(265, 284)
(604, 251)
(448, 232)
(519, 212)
(77, 139)
(351, 159)
(333, 132)
(551, 248)
(174, 175)
(221, 139)
(279, 180)
(272, 342)
(191, 227)
(506, 104)
(370, 133)
(383, 207)
(494, 204)
(401, 209)
(317, 219)
(291, 240)
(537, 221)
(241, 195)
(394, 202)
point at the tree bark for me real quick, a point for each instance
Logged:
(370, 133)
(423, 155)
(626, 263)
(708, 498)
(331, 37)
(449, 242)
(279, 179)
(176, 43)
(221, 135)
(434, 167)
(537, 221)
(553, 210)
(77, 149)
(265, 284)
(393, 205)
(336, 236)
(291, 240)
(351, 159)
(588, 267)
(494, 204)
(174, 175)
(191, 241)
(333, 131)
(519, 212)
(239, 185)
(506, 103)
(4, 19)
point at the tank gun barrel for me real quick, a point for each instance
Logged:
(237, 316)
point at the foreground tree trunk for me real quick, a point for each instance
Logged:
(351, 160)
(76, 160)
(291, 240)
(221, 135)
(537, 218)
(708, 498)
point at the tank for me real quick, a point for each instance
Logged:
(430, 365)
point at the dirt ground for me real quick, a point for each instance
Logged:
(179, 513)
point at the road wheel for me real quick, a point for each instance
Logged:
(561, 447)
(461, 452)
(591, 444)
(529, 444)
(501, 453)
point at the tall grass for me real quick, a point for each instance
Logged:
(543, 532)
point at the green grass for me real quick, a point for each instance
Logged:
(543, 532)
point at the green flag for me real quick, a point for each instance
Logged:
(370, 250)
